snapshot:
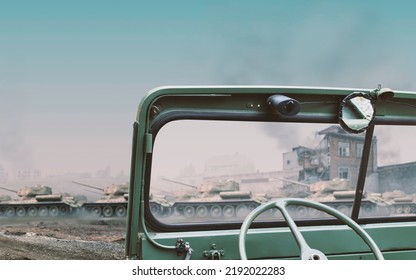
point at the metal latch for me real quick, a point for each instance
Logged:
(183, 248)
(214, 253)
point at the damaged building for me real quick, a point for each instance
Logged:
(338, 155)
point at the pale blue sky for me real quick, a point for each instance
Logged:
(72, 73)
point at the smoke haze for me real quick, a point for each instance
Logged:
(71, 79)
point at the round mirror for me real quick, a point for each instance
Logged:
(356, 112)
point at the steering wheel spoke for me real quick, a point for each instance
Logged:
(307, 253)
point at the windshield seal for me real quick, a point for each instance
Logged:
(170, 116)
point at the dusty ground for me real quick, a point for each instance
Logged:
(65, 239)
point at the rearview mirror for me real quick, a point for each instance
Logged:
(356, 112)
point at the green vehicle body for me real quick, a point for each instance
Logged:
(392, 228)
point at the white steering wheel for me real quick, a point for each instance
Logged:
(306, 252)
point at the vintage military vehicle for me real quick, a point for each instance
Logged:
(112, 204)
(37, 201)
(299, 140)
(221, 198)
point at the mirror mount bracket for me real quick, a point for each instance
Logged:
(382, 94)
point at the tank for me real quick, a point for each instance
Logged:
(399, 202)
(160, 205)
(221, 198)
(339, 194)
(113, 204)
(37, 201)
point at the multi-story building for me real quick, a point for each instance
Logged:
(337, 156)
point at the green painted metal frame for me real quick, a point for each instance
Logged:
(396, 241)
(250, 101)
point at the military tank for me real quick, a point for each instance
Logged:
(113, 204)
(339, 194)
(160, 205)
(399, 202)
(216, 199)
(37, 201)
(224, 199)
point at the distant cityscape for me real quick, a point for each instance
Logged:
(18, 175)
(36, 174)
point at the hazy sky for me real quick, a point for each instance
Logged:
(72, 73)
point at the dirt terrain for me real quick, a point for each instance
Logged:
(64, 239)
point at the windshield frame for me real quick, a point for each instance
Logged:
(175, 103)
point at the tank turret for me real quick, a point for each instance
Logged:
(116, 191)
(28, 193)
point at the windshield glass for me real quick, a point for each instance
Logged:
(218, 171)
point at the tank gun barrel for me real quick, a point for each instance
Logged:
(91, 191)
(180, 183)
(6, 189)
(89, 186)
